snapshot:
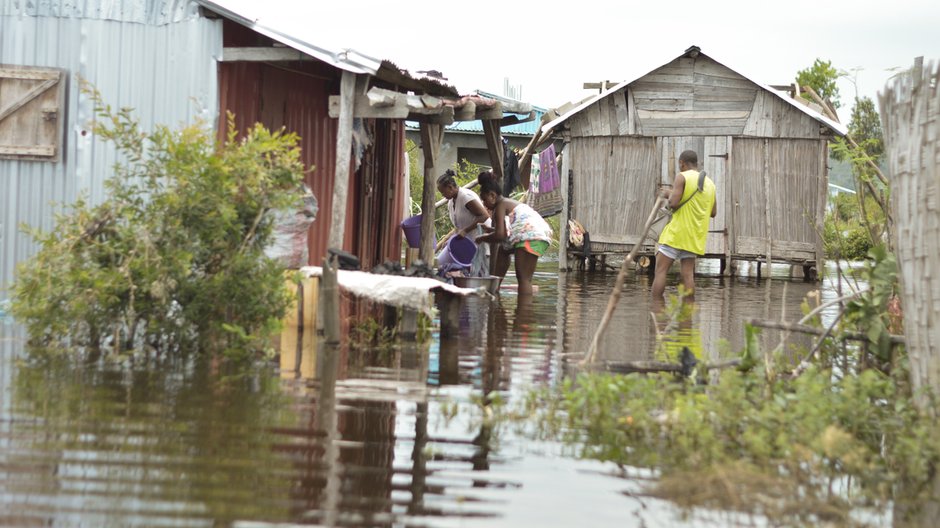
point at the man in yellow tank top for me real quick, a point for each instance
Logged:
(684, 236)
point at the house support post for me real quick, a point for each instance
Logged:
(431, 137)
(343, 151)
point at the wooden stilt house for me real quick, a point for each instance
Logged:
(766, 152)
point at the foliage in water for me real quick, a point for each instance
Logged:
(836, 436)
(781, 449)
(174, 256)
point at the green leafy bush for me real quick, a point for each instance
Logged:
(773, 448)
(174, 256)
(846, 230)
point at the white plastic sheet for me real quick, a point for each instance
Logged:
(291, 228)
(394, 290)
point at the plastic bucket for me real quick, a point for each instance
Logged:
(459, 250)
(412, 228)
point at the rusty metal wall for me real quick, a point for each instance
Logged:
(379, 188)
(295, 96)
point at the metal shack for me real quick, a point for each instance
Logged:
(766, 152)
(186, 61)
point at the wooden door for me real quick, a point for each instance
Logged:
(749, 215)
(714, 160)
(32, 101)
(713, 155)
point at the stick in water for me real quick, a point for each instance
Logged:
(618, 287)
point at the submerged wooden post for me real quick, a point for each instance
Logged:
(408, 328)
(298, 337)
(329, 293)
(449, 306)
(343, 152)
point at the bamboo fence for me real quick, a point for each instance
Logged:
(910, 110)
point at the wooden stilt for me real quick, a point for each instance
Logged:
(449, 367)
(329, 293)
(408, 330)
(449, 306)
(389, 317)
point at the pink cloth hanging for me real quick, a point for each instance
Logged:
(549, 179)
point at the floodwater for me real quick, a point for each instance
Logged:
(381, 437)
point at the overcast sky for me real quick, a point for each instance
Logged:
(552, 48)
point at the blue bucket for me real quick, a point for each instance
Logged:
(412, 228)
(459, 250)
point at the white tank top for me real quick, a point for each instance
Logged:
(460, 216)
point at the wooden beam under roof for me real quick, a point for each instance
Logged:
(444, 117)
(494, 112)
(263, 54)
(379, 103)
(467, 112)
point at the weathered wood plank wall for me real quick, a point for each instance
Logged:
(614, 186)
(910, 111)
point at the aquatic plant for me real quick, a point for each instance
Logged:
(813, 439)
(803, 450)
(174, 255)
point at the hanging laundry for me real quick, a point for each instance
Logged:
(534, 172)
(549, 180)
(511, 178)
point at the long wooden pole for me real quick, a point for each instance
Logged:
(618, 286)
(343, 152)
(431, 135)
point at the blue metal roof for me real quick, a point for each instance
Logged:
(528, 128)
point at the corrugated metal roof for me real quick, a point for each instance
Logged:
(167, 73)
(282, 25)
(154, 12)
(258, 17)
(839, 128)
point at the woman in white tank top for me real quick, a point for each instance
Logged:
(467, 214)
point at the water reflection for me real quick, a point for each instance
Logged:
(342, 437)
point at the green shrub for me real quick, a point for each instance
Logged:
(846, 233)
(174, 256)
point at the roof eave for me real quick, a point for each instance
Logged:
(837, 128)
(346, 59)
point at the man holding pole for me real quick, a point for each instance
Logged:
(692, 200)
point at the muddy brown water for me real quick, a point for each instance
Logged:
(382, 437)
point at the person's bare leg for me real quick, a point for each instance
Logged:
(525, 269)
(659, 280)
(687, 272)
(502, 262)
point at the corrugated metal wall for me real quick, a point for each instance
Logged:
(152, 12)
(165, 71)
(295, 96)
(379, 190)
(296, 100)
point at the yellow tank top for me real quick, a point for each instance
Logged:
(688, 228)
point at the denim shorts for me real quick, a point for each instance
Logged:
(675, 254)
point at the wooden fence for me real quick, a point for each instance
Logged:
(910, 110)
